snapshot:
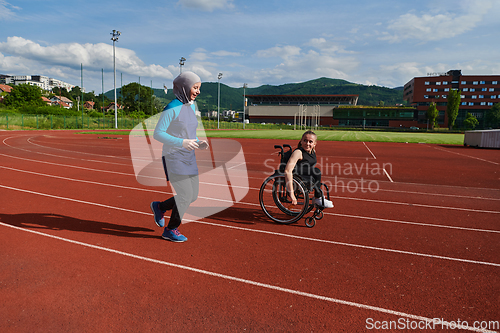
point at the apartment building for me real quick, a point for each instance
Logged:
(44, 82)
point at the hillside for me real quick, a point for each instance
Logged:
(232, 98)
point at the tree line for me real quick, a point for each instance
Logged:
(135, 101)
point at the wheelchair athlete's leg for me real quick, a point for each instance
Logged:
(320, 198)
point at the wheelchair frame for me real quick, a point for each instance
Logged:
(275, 200)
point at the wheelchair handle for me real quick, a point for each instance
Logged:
(280, 148)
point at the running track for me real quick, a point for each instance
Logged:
(79, 250)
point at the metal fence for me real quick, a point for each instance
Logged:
(14, 121)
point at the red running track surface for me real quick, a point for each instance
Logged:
(79, 250)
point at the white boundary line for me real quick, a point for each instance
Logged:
(434, 321)
(264, 231)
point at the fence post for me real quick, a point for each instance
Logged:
(37, 121)
(7, 117)
(22, 121)
(50, 121)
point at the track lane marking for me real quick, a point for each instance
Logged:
(263, 231)
(246, 281)
(387, 174)
(215, 184)
(476, 158)
(250, 203)
(399, 183)
(374, 157)
(419, 205)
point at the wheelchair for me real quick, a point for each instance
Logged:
(275, 200)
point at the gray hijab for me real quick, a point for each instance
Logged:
(183, 84)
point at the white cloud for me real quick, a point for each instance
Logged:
(429, 27)
(318, 58)
(284, 52)
(226, 54)
(92, 56)
(6, 10)
(198, 55)
(207, 5)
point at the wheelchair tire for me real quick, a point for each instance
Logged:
(275, 201)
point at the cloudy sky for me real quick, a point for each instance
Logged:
(383, 42)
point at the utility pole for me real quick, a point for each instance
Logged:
(218, 100)
(114, 38)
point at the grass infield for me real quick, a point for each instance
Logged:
(336, 135)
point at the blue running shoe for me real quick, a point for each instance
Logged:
(173, 235)
(158, 213)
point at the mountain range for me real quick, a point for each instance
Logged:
(232, 98)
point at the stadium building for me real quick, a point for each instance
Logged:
(325, 110)
(478, 94)
(309, 110)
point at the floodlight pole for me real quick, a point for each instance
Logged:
(218, 99)
(244, 103)
(115, 35)
(182, 60)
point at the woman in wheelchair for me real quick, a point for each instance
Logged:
(302, 162)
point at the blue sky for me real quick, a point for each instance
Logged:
(383, 42)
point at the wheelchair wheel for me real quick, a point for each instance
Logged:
(275, 201)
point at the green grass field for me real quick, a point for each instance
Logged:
(366, 136)
(329, 135)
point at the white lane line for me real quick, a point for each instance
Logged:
(401, 183)
(476, 158)
(374, 157)
(246, 281)
(248, 203)
(251, 188)
(77, 152)
(67, 165)
(419, 205)
(420, 224)
(387, 174)
(263, 231)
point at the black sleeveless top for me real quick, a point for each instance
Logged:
(305, 166)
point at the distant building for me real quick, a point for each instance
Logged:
(62, 101)
(89, 105)
(111, 107)
(478, 94)
(46, 100)
(296, 108)
(5, 88)
(44, 82)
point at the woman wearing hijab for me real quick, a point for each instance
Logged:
(176, 129)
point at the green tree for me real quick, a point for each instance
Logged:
(493, 116)
(432, 114)
(452, 107)
(470, 121)
(136, 97)
(24, 95)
